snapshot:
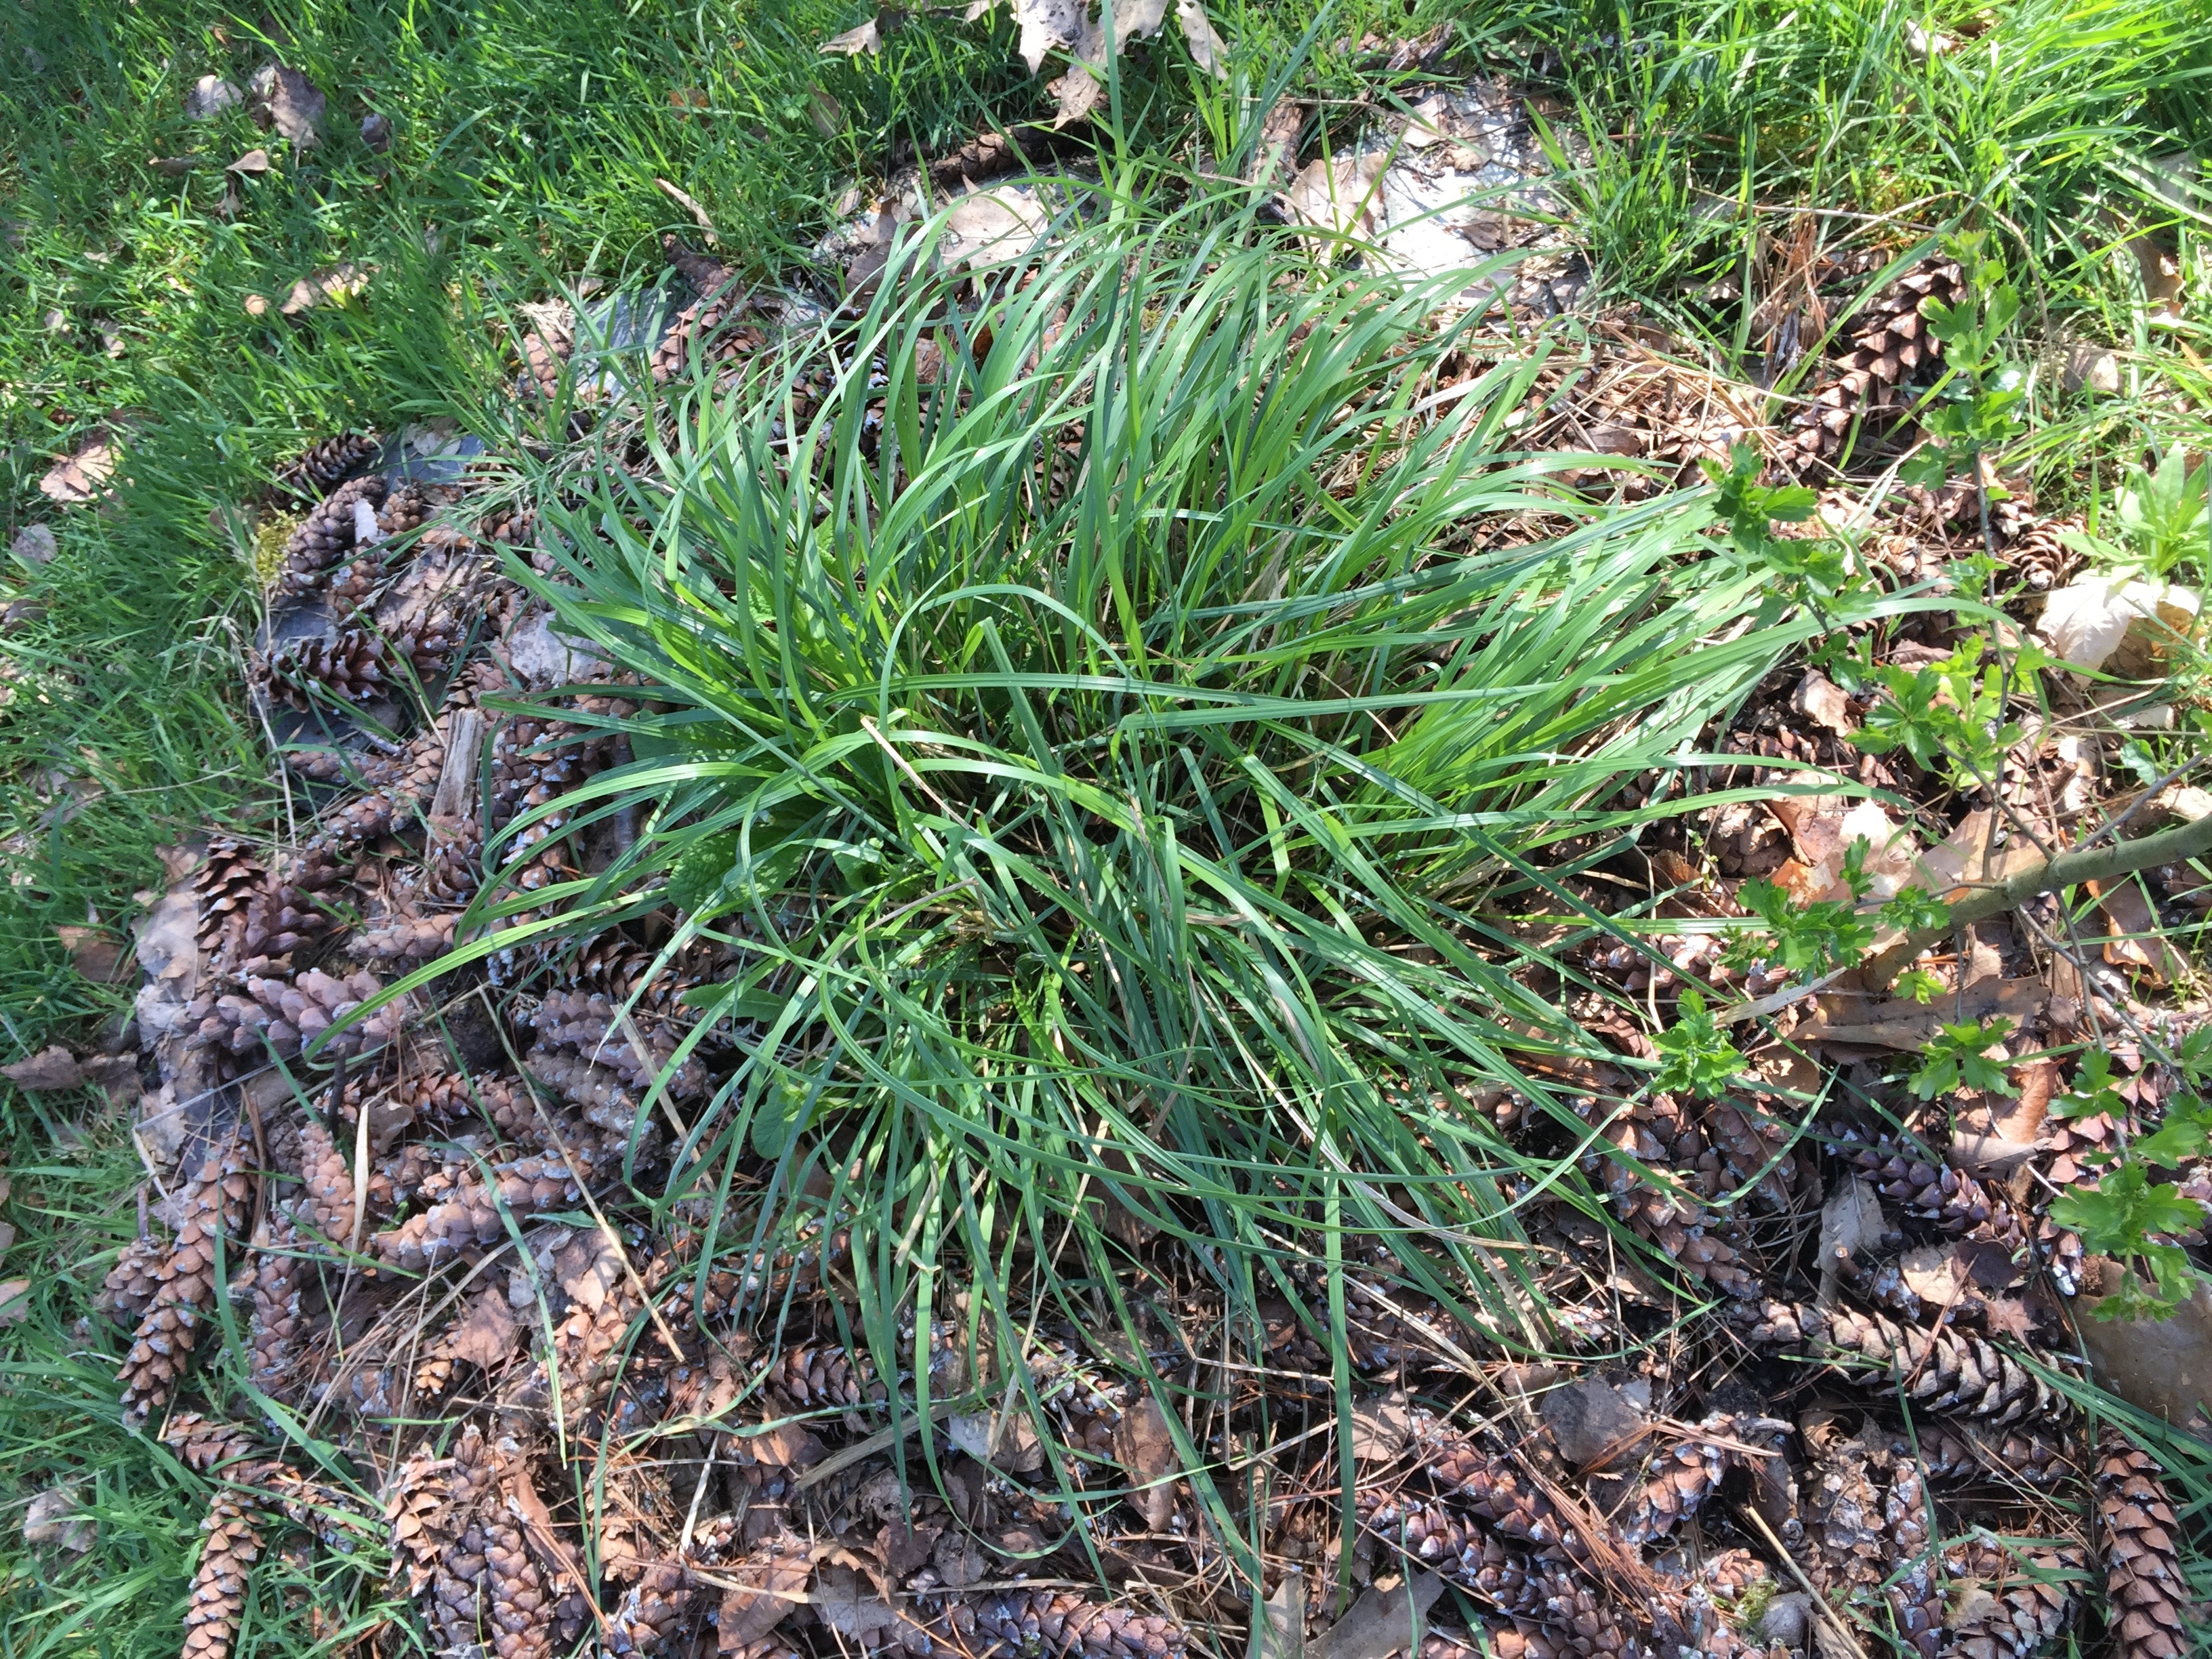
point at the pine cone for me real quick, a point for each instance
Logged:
(2148, 1599)
(223, 888)
(325, 537)
(278, 915)
(1490, 1488)
(812, 1373)
(516, 1610)
(711, 331)
(278, 1326)
(290, 1018)
(354, 667)
(1969, 1451)
(405, 939)
(548, 345)
(468, 1218)
(2032, 1597)
(1042, 1624)
(650, 1609)
(1657, 1134)
(311, 473)
(230, 1544)
(703, 274)
(204, 1445)
(1679, 1479)
(325, 1203)
(1948, 1370)
(133, 1283)
(594, 1027)
(405, 510)
(2040, 555)
(1890, 346)
(451, 871)
(1865, 1516)
(214, 1205)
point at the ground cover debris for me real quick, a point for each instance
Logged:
(890, 1007)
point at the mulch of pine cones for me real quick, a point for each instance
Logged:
(580, 1430)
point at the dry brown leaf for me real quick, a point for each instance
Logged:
(486, 1334)
(252, 164)
(1934, 1273)
(1147, 1452)
(1820, 698)
(1594, 1423)
(1382, 1622)
(96, 954)
(787, 1446)
(2162, 1365)
(853, 42)
(376, 131)
(1077, 91)
(772, 1581)
(15, 1301)
(2137, 940)
(1381, 1426)
(51, 1068)
(83, 476)
(1901, 1024)
(1207, 49)
(2128, 627)
(840, 1602)
(1851, 1224)
(826, 113)
(257, 305)
(172, 166)
(286, 99)
(334, 286)
(1010, 1443)
(991, 225)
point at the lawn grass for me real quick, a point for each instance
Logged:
(529, 139)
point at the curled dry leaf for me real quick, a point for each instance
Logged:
(84, 476)
(2136, 940)
(1820, 698)
(53, 1067)
(172, 166)
(1851, 1225)
(210, 96)
(487, 1335)
(863, 37)
(250, 164)
(1381, 1426)
(376, 131)
(1595, 1423)
(2129, 626)
(15, 1301)
(286, 99)
(993, 225)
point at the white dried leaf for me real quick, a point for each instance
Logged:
(34, 543)
(1337, 194)
(1046, 24)
(1207, 49)
(992, 224)
(210, 96)
(864, 37)
(54, 1519)
(2101, 620)
(1136, 20)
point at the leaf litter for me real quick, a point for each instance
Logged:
(755, 1489)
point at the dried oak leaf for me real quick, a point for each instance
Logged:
(1381, 1426)
(1046, 24)
(286, 99)
(53, 1067)
(252, 165)
(54, 1518)
(15, 1301)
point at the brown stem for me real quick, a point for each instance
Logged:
(2118, 858)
